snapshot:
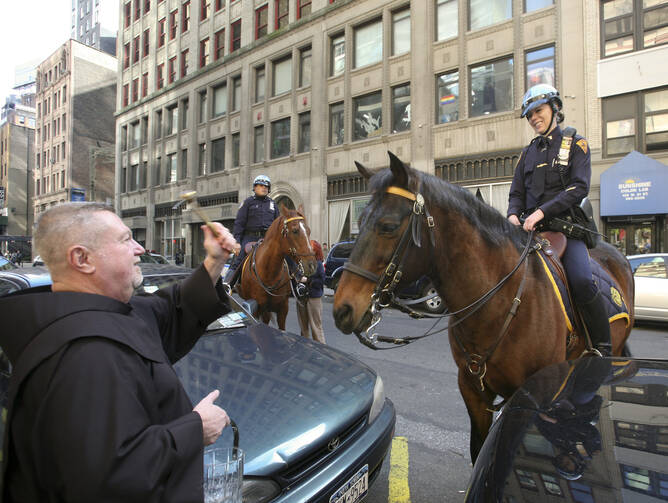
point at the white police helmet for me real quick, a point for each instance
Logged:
(262, 180)
(539, 94)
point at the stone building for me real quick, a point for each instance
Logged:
(95, 23)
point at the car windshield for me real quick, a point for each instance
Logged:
(6, 264)
(148, 259)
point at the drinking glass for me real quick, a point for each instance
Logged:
(223, 475)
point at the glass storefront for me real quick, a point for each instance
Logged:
(633, 238)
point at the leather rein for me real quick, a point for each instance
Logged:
(387, 282)
(297, 258)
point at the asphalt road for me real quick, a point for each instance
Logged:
(421, 380)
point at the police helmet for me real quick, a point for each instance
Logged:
(539, 94)
(262, 180)
(570, 466)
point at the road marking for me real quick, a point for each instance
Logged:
(398, 478)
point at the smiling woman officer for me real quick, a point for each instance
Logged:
(551, 178)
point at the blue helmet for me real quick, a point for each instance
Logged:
(262, 180)
(539, 94)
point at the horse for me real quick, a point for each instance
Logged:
(500, 332)
(284, 253)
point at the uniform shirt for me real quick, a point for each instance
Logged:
(255, 214)
(552, 199)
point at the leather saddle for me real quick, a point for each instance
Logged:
(556, 243)
(249, 246)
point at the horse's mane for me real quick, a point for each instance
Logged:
(494, 228)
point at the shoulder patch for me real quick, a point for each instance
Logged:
(582, 143)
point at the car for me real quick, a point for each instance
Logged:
(650, 271)
(6, 264)
(592, 429)
(313, 422)
(153, 258)
(37, 261)
(423, 287)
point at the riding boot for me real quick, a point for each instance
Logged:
(595, 316)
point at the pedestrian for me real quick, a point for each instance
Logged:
(309, 310)
(95, 410)
(547, 185)
(254, 217)
(325, 250)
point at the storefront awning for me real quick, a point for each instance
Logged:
(635, 185)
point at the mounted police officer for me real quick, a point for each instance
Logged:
(253, 219)
(546, 185)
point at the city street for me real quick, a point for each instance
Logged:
(421, 381)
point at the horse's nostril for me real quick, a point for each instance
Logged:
(343, 318)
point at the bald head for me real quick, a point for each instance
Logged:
(66, 225)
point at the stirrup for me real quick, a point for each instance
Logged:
(591, 352)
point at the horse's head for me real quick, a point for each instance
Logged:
(296, 242)
(391, 232)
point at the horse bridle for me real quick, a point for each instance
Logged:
(386, 284)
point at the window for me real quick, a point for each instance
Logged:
(171, 171)
(236, 94)
(526, 479)
(551, 484)
(144, 130)
(219, 44)
(185, 17)
(219, 4)
(219, 100)
(144, 85)
(656, 120)
(641, 480)
(261, 21)
(202, 106)
(172, 119)
(160, 77)
(156, 171)
(367, 116)
(235, 38)
(126, 96)
(161, 32)
(258, 144)
(184, 163)
(280, 138)
(539, 66)
(173, 23)
(203, 10)
(368, 44)
(185, 105)
(122, 183)
(581, 492)
(447, 97)
(303, 8)
(128, 14)
(184, 63)
(203, 52)
(157, 124)
(147, 6)
(487, 12)
(259, 84)
(282, 11)
(137, 9)
(236, 148)
(401, 108)
(446, 19)
(134, 173)
(338, 55)
(633, 24)
(282, 75)
(145, 43)
(171, 70)
(305, 67)
(201, 166)
(218, 155)
(532, 5)
(126, 56)
(135, 90)
(491, 87)
(336, 124)
(401, 31)
(135, 49)
(135, 134)
(304, 139)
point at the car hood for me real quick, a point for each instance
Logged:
(594, 429)
(289, 396)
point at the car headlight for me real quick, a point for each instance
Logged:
(378, 399)
(259, 490)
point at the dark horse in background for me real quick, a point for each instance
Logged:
(284, 252)
(473, 248)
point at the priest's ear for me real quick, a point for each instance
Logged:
(79, 259)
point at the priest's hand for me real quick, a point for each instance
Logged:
(219, 244)
(214, 419)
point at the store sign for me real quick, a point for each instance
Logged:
(77, 194)
(636, 185)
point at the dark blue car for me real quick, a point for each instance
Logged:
(339, 254)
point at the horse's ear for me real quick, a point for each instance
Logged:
(300, 210)
(399, 170)
(283, 209)
(363, 171)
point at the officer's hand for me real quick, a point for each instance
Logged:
(514, 220)
(214, 419)
(533, 219)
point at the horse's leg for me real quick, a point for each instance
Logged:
(282, 314)
(477, 402)
(266, 316)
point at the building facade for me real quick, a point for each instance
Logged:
(76, 96)
(214, 92)
(95, 23)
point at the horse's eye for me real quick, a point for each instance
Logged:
(387, 227)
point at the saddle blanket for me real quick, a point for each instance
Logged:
(615, 301)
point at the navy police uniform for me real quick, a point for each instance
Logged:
(253, 219)
(537, 185)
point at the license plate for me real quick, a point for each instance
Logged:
(354, 489)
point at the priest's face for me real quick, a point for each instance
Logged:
(116, 258)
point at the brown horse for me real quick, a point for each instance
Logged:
(482, 269)
(284, 252)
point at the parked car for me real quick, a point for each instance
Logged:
(153, 258)
(651, 286)
(6, 264)
(593, 429)
(37, 261)
(339, 254)
(314, 422)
